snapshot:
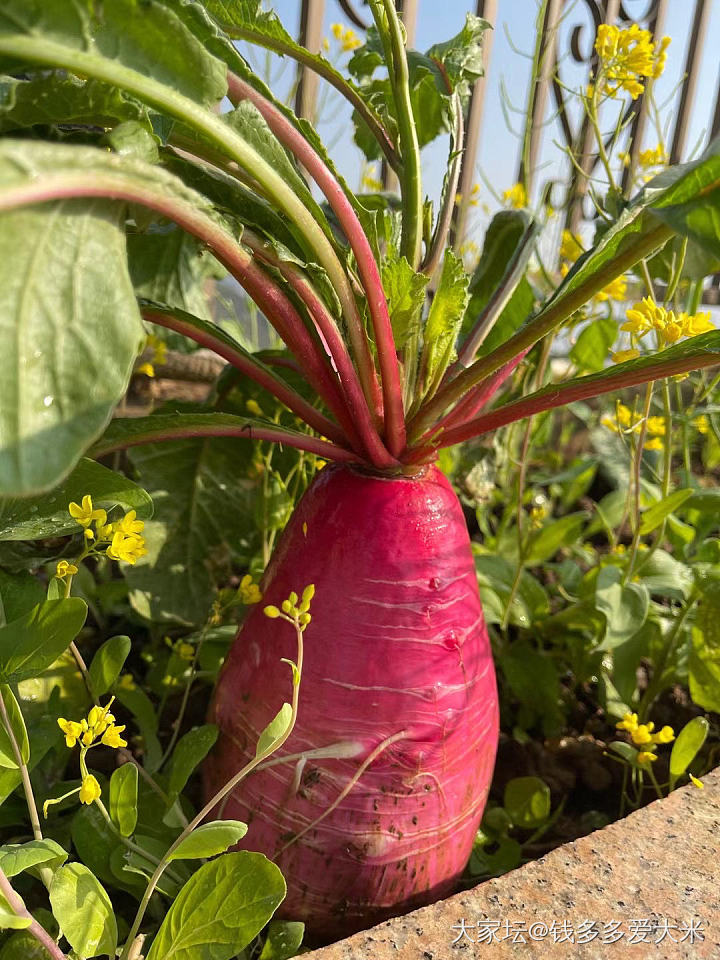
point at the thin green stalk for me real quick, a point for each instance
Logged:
(390, 28)
(637, 466)
(220, 795)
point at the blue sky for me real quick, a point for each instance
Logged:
(509, 72)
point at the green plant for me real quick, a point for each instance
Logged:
(126, 159)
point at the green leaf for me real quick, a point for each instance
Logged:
(405, 293)
(19, 592)
(220, 909)
(249, 123)
(107, 663)
(502, 242)
(654, 515)
(124, 798)
(63, 280)
(192, 537)
(18, 857)
(210, 839)
(553, 536)
(190, 750)
(462, 56)
(274, 731)
(19, 730)
(143, 710)
(625, 607)
(591, 350)
(444, 320)
(143, 35)
(284, 939)
(36, 518)
(527, 801)
(58, 97)
(133, 139)
(533, 679)
(704, 662)
(171, 267)
(688, 198)
(9, 920)
(31, 643)
(84, 911)
(492, 858)
(495, 579)
(686, 747)
(624, 750)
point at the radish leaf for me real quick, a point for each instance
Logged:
(209, 839)
(124, 798)
(220, 909)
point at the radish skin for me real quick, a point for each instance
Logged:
(387, 771)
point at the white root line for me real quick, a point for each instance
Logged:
(402, 735)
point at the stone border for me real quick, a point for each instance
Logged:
(660, 865)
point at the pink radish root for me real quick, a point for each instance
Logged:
(371, 807)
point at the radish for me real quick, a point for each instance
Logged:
(373, 803)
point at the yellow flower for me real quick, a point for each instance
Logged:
(627, 58)
(695, 324)
(653, 157)
(615, 290)
(516, 196)
(253, 407)
(147, 368)
(64, 568)
(620, 356)
(90, 790)
(85, 514)
(702, 424)
(655, 444)
(129, 525)
(159, 349)
(112, 738)
(537, 515)
(126, 549)
(350, 40)
(249, 591)
(473, 198)
(696, 783)
(646, 756)
(337, 30)
(642, 317)
(71, 729)
(642, 734)
(105, 531)
(570, 246)
(369, 178)
(666, 735)
(126, 682)
(629, 722)
(656, 426)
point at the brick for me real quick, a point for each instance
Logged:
(660, 863)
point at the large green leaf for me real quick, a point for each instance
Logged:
(84, 911)
(30, 644)
(625, 607)
(220, 909)
(193, 534)
(47, 516)
(69, 335)
(405, 292)
(61, 98)
(143, 35)
(502, 243)
(171, 267)
(210, 839)
(191, 750)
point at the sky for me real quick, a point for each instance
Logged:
(507, 86)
